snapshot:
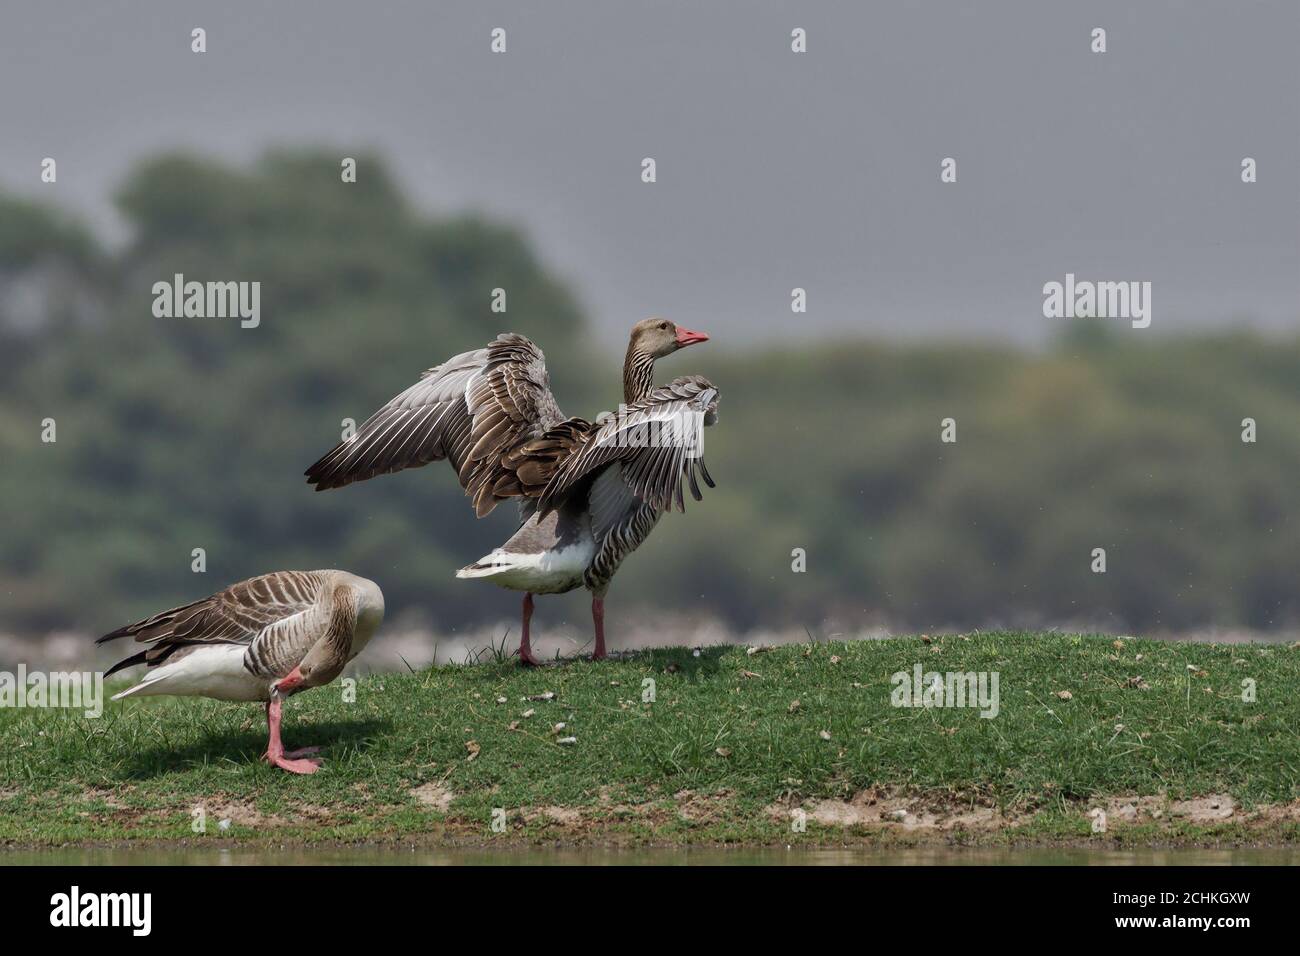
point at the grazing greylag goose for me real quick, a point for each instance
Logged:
(264, 639)
(588, 492)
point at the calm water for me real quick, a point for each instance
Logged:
(534, 856)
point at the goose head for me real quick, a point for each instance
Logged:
(659, 337)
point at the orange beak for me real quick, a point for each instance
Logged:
(686, 337)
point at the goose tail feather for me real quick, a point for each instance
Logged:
(480, 569)
(146, 686)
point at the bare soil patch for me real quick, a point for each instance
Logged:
(433, 795)
(876, 808)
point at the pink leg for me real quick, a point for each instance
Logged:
(275, 754)
(598, 618)
(526, 658)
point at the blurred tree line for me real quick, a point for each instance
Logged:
(175, 434)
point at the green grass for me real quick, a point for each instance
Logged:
(707, 761)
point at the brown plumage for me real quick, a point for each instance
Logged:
(471, 410)
(262, 639)
(588, 492)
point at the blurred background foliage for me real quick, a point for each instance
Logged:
(182, 433)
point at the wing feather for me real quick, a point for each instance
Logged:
(236, 615)
(656, 443)
(473, 410)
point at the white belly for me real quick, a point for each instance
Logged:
(551, 572)
(217, 671)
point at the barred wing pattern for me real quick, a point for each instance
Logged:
(237, 615)
(471, 410)
(655, 443)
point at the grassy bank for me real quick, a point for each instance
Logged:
(1156, 735)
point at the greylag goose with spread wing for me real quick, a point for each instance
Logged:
(589, 493)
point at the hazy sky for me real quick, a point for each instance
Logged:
(775, 169)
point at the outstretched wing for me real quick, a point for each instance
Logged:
(471, 410)
(233, 616)
(655, 445)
